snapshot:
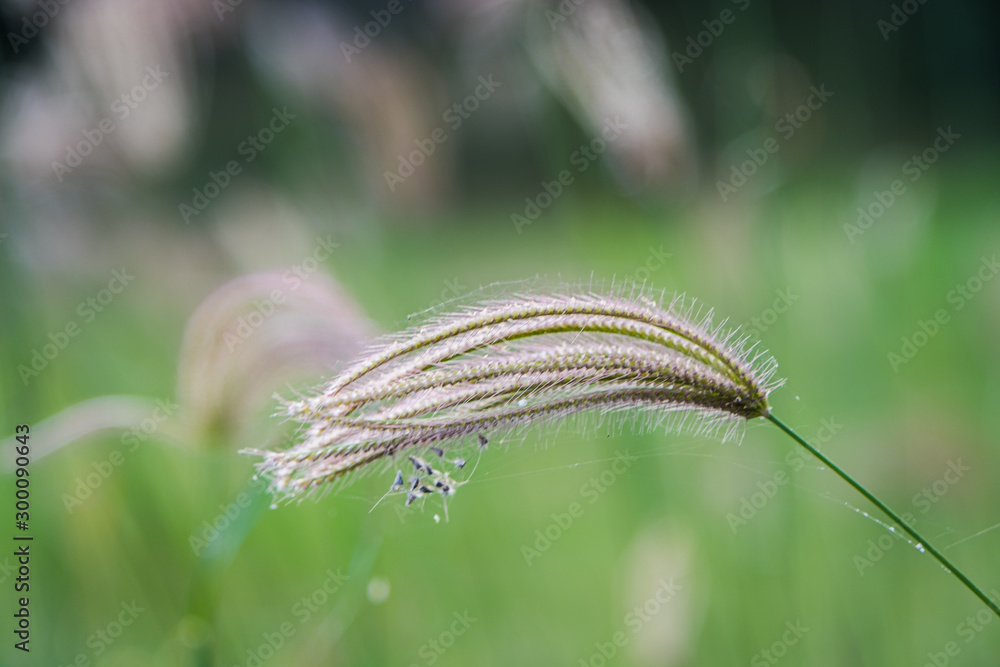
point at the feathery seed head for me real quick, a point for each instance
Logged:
(515, 361)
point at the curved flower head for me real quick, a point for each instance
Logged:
(485, 370)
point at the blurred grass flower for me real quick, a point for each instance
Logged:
(254, 334)
(250, 336)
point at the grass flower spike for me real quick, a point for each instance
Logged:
(507, 363)
(484, 371)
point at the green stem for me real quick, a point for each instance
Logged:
(892, 515)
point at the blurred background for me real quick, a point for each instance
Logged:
(203, 204)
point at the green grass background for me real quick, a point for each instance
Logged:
(665, 517)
